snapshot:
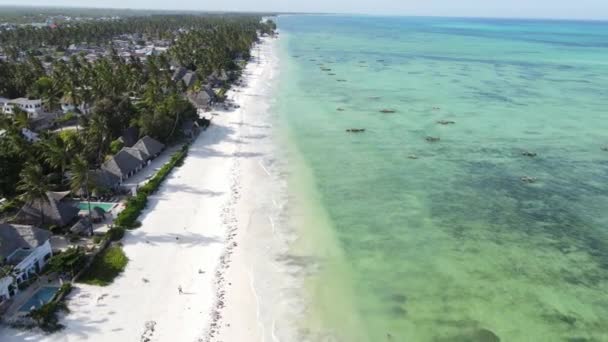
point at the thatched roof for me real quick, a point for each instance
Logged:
(82, 226)
(54, 211)
(15, 236)
(149, 146)
(121, 164)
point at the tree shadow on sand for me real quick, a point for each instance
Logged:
(186, 239)
(187, 189)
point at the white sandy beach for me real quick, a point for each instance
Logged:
(191, 232)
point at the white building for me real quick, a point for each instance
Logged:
(32, 107)
(25, 249)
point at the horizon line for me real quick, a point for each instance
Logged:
(279, 13)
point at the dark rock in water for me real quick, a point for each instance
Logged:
(398, 298)
(485, 335)
(605, 148)
(355, 130)
(528, 154)
(472, 335)
(432, 139)
(398, 311)
(388, 111)
(527, 179)
(446, 122)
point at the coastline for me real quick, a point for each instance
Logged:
(188, 233)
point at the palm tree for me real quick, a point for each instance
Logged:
(80, 181)
(56, 154)
(33, 186)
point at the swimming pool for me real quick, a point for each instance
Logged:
(41, 297)
(105, 206)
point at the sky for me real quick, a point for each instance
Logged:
(573, 9)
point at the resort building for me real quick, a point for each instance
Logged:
(67, 105)
(127, 162)
(149, 146)
(50, 211)
(103, 180)
(123, 164)
(202, 100)
(32, 107)
(24, 250)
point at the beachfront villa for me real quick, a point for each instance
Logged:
(52, 211)
(123, 164)
(24, 250)
(202, 99)
(149, 146)
(129, 160)
(32, 107)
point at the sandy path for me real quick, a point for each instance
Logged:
(183, 237)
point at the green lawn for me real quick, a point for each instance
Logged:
(106, 266)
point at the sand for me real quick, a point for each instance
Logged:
(189, 238)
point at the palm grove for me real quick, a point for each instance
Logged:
(121, 92)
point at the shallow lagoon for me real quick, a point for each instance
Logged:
(442, 241)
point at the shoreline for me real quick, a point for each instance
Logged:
(189, 231)
(257, 210)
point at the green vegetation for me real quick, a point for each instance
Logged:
(121, 93)
(128, 217)
(65, 118)
(68, 262)
(106, 266)
(46, 316)
(115, 233)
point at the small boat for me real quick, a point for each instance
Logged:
(432, 139)
(605, 148)
(355, 130)
(412, 156)
(341, 80)
(387, 111)
(340, 109)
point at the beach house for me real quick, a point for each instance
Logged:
(24, 250)
(123, 164)
(50, 211)
(68, 105)
(187, 77)
(202, 100)
(32, 107)
(149, 146)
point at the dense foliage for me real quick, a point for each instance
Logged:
(120, 92)
(106, 266)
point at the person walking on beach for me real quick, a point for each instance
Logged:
(179, 290)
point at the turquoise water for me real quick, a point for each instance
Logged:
(445, 240)
(41, 297)
(105, 206)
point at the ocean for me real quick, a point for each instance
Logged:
(474, 206)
